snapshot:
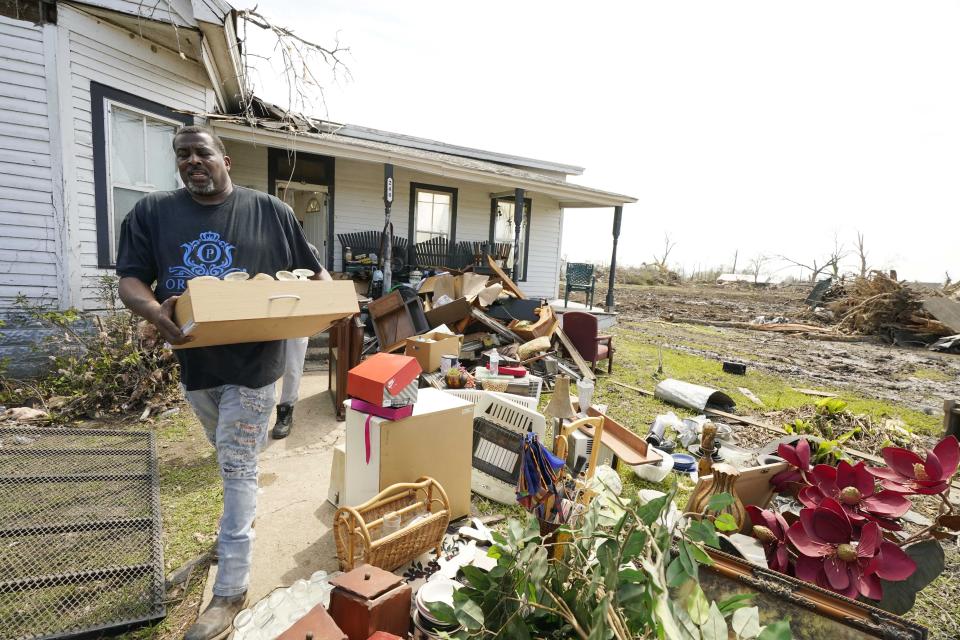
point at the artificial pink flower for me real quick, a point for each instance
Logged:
(831, 558)
(771, 529)
(798, 457)
(854, 489)
(909, 473)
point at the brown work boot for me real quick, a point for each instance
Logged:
(217, 621)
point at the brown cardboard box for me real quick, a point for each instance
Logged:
(428, 348)
(227, 312)
(436, 441)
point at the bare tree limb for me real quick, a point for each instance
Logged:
(668, 246)
(862, 253)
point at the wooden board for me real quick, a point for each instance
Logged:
(751, 396)
(508, 284)
(814, 392)
(625, 444)
(643, 392)
(945, 310)
(582, 364)
(495, 326)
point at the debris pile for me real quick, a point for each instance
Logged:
(881, 305)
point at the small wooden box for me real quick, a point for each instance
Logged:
(317, 622)
(369, 599)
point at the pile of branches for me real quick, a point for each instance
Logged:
(104, 363)
(878, 304)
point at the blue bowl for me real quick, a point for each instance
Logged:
(684, 463)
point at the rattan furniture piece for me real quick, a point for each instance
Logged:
(425, 512)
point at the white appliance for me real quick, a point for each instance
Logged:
(580, 444)
(500, 422)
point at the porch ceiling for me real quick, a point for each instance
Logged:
(432, 162)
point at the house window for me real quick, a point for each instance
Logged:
(133, 156)
(504, 231)
(141, 161)
(433, 212)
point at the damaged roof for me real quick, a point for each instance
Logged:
(439, 158)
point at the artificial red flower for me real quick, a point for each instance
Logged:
(907, 472)
(798, 457)
(854, 489)
(830, 557)
(771, 529)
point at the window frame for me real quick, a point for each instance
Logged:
(528, 206)
(415, 188)
(100, 97)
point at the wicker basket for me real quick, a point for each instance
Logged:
(356, 529)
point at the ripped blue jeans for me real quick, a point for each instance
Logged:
(235, 420)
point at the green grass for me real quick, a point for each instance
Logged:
(637, 363)
(191, 498)
(931, 374)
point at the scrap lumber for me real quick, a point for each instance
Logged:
(946, 311)
(781, 327)
(508, 284)
(751, 396)
(572, 350)
(643, 392)
(814, 392)
(495, 326)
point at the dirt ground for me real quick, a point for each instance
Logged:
(916, 378)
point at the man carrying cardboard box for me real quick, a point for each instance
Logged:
(212, 228)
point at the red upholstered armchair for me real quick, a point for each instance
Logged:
(581, 328)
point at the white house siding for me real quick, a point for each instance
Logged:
(179, 11)
(28, 258)
(108, 55)
(249, 164)
(358, 206)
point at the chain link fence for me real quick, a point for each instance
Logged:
(80, 531)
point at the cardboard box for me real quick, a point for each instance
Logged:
(448, 313)
(219, 312)
(385, 379)
(428, 348)
(436, 441)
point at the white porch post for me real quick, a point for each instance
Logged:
(517, 223)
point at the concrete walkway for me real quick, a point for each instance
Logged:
(294, 535)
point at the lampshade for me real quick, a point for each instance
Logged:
(560, 406)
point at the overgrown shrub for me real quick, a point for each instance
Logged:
(118, 364)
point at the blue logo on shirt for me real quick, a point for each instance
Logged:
(206, 256)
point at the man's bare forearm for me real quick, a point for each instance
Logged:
(138, 297)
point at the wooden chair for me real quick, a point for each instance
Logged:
(344, 347)
(581, 328)
(580, 277)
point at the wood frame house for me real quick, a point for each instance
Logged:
(91, 91)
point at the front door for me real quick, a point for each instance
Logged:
(305, 182)
(310, 204)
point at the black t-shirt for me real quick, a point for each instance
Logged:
(169, 238)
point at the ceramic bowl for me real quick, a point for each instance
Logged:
(263, 276)
(304, 274)
(286, 275)
(237, 275)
